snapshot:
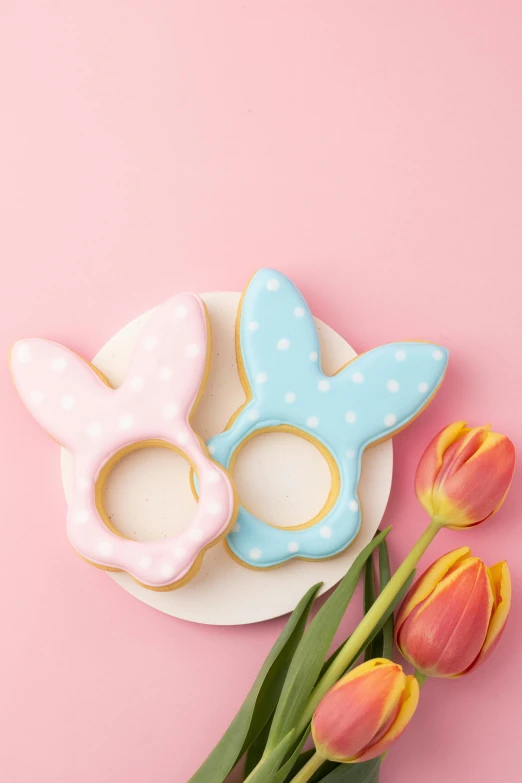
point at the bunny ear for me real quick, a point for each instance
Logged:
(389, 386)
(277, 334)
(59, 388)
(172, 352)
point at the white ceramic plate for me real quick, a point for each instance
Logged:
(148, 493)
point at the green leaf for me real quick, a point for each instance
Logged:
(369, 585)
(381, 623)
(388, 613)
(289, 765)
(372, 651)
(382, 645)
(273, 684)
(265, 771)
(261, 700)
(307, 662)
(384, 578)
(333, 656)
(256, 749)
(365, 772)
(323, 771)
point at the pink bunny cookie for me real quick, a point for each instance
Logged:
(99, 425)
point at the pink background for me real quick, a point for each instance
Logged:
(369, 150)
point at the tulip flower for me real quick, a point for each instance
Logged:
(462, 478)
(362, 715)
(454, 615)
(364, 712)
(464, 475)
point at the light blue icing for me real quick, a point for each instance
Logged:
(375, 395)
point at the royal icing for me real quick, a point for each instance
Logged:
(374, 396)
(152, 406)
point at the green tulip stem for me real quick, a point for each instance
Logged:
(363, 631)
(311, 766)
(420, 677)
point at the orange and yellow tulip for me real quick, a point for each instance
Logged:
(454, 615)
(464, 475)
(360, 717)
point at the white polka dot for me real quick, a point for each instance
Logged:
(59, 365)
(167, 571)
(323, 385)
(283, 344)
(390, 419)
(181, 311)
(423, 388)
(393, 386)
(81, 517)
(213, 476)
(195, 534)
(125, 422)
(214, 508)
(299, 312)
(105, 548)
(253, 326)
(83, 483)
(437, 355)
(325, 531)
(137, 383)
(353, 505)
(255, 554)
(357, 377)
(36, 396)
(145, 562)
(179, 552)
(165, 373)
(350, 417)
(67, 402)
(350, 453)
(94, 429)
(293, 546)
(211, 449)
(150, 343)
(253, 414)
(182, 437)
(312, 422)
(192, 350)
(313, 356)
(23, 353)
(170, 410)
(273, 284)
(290, 397)
(236, 528)
(261, 377)
(400, 355)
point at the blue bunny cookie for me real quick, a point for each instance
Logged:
(368, 400)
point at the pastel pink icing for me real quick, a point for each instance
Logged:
(94, 422)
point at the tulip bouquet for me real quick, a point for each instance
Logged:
(450, 620)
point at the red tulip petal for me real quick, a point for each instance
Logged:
(427, 583)
(443, 635)
(409, 702)
(357, 708)
(431, 462)
(501, 579)
(480, 484)
(461, 450)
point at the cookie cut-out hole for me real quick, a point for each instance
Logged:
(146, 494)
(284, 478)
